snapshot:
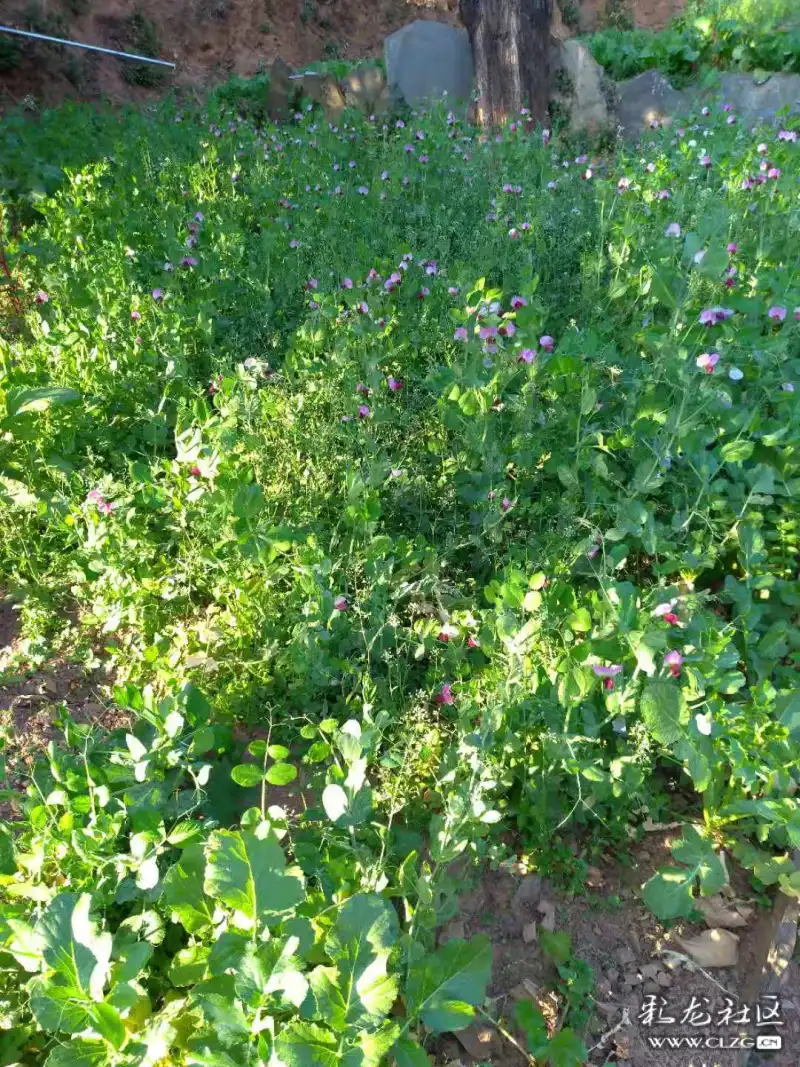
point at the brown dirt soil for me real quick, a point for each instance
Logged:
(623, 943)
(212, 39)
(29, 705)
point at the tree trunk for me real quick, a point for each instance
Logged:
(511, 47)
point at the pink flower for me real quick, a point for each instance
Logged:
(136, 315)
(623, 185)
(347, 283)
(445, 695)
(606, 672)
(340, 603)
(505, 504)
(513, 233)
(518, 302)
(431, 268)
(94, 497)
(777, 313)
(673, 230)
(787, 135)
(673, 659)
(363, 411)
(105, 507)
(486, 332)
(797, 313)
(527, 355)
(705, 160)
(195, 472)
(507, 329)
(547, 342)
(708, 361)
(452, 290)
(424, 291)
(732, 248)
(362, 390)
(41, 297)
(189, 261)
(158, 294)
(395, 385)
(714, 316)
(664, 194)
(460, 334)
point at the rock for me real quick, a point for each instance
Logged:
(651, 987)
(425, 60)
(647, 98)
(632, 978)
(454, 929)
(719, 912)
(280, 90)
(751, 101)
(527, 895)
(625, 956)
(480, 1041)
(712, 948)
(324, 90)
(606, 1008)
(529, 933)
(548, 912)
(582, 79)
(650, 970)
(612, 974)
(365, 88)
(664, 980)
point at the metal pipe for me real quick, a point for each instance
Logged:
(88, 47)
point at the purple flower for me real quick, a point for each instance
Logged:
(460, 334)
(714, 316)
(94, 497)
(777, 313)
(774, 172)
(363, 190)
(445, 695)
(486, 332)
(363, 411)
(136, 315)
(527, 355)
(705, 160)
(505, 504)
(424, 291)
(189, 261)
(340, 603)
(41, 297)
(673, 659)
(788, 387)
(158, 294)
(732, 248)
(431, 268)
(673, 230)
(518, 302)
(347, 283)
(395, 385)
(452, 290)
(708, 361)
(606, 672)
(664, 194)
(547, 342)
(168, 267)
(787, 135)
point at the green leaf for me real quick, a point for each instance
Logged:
(445, 986)
(531, 1021)
(222, 1010)
(278, 752)
(737, 451)
(580, 621)
(107, 1021)
(247, 871)
(20, 401)
(303, 1044)
(698, 852)
(668, 894)
(565, 1050)
(80, 1052)
(281, 774)
(189, 965)
(557, 944)
(272, 969)
(664, 711)
(184, 893)
(247, 774)
(407, 1053)
(696, 763)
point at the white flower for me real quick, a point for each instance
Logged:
(703, 724)
(735, 374)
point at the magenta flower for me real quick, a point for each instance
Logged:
(94, 497)
(158, 294)
(708, 361)
(547, 342)
(732, 248)
(189, 261)
(363, 411)
(41, 297)
(195, 472)
(472, 642)
(673, 660)
(395, 385)
(445, 695)
(507, 329)
(460, 334)
(340, 603)
(505, 504)
(363, 307)
(527, 355)
(606, 672)
(136, 315)
(486, 332)
(774, 172)
(673, 230)
(777, 313)
(347, 283)
(705, 160)
(518, 302)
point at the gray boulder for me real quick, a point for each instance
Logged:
(425, 60)
(648, 98)
(752, 102)
(585, 95)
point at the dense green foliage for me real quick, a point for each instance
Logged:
(462, 476)
(718, 38)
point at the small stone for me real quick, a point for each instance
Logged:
(651, 987)
(664, 980)
(453, 930)
(606, 1008)
(625, 956)
(548, 912)
(650, 970)
(529, 933)
(478, 1040)
(528, 893)
(632, 978)
(612, 974)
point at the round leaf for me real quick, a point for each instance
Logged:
(281, 774)
(246, 774)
